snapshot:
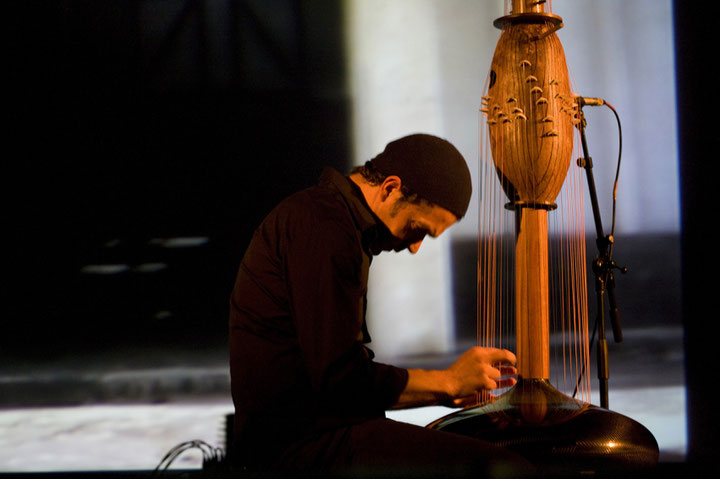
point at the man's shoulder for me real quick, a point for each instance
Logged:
(306, 223)
(314, 214)
(316, 204)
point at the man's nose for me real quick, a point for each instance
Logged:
(414, 247)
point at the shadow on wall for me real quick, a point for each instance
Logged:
(648, 295)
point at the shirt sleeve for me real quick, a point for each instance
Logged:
(326, 271)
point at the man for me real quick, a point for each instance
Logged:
(307, 393)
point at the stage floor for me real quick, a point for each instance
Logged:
(131, 417)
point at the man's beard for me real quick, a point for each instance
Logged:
(386, 241)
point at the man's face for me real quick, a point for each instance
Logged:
(410, 223)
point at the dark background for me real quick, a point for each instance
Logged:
(131, 122)
(138, 121)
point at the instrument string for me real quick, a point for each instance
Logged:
(495, 264)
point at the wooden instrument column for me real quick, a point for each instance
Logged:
(532, 311)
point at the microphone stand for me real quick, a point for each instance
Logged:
(603, 266)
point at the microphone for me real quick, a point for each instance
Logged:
(588, 101)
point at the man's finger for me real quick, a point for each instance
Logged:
(507, 370)
(506, 382)
(500, 355)
(492, 355)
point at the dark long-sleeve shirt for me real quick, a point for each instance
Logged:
(299, 361)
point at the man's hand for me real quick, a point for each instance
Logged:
(476, 370)
(479, 369)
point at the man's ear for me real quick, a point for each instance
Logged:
(389, 185)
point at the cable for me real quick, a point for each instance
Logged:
(209, 454)
(617, 171)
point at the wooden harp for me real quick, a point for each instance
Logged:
(527, 124)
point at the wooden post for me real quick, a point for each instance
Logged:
(532, 311)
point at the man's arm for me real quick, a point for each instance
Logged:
(477, 369)
(326, 270)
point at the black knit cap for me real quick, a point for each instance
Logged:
(430, 167)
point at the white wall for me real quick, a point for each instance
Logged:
(395, 60)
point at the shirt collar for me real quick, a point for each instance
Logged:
(367, 223)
